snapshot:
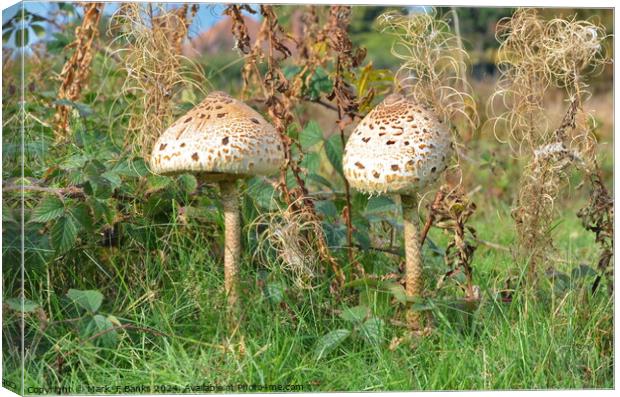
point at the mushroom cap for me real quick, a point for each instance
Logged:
(222, 138)
(399, 147)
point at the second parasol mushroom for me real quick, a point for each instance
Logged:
(222, 140)
(400, 147)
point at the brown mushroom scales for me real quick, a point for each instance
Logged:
(400, 147)
(222, 140)
(219, 136)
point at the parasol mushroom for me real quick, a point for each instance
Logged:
(400, 147)
(222, 140)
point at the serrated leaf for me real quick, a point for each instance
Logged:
(333, 150)
(87, 299)
(261, 192)
(379, 204)
(311, 135)
(311, 161)
(327, 208)
(328, 342)
(362, 238)
(81, 214)
(64, 234)
(355, 314)
(372, 330)
(157, 182)
(16, 305)
(113, 178)
(49, 208)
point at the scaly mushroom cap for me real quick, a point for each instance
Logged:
(399, 147)
(221, 137)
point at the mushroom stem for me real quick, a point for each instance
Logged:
(232, 244)
(413, 264)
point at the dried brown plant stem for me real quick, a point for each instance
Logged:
(414, 282)
(76, 70)
(279, 99)
(537, 55)
(149, 38)
(346, 58)
(232, 243)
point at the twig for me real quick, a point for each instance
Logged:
(70, 191)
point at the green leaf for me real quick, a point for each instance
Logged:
(187, 183)
(275, 292)
(16, 305)
(327, 208)
(318, 179)
(372, 330)
(355, 314)
(379, 204)
(113, 178)
(86, 299)
(21, 37)
(397, 290)
(38, 30)
(582, 271)
(8, 214)
(262, 192)
(329, 342)
(333, 149)
(157, 182)
(311, 135)
(49, 208)
(98, 325)
(311, 161)
(101, 210)
(81, 214)
(64, 234)
(6, 35)
(363, 238)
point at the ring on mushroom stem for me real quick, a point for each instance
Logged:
(400, 147)
(222, 140)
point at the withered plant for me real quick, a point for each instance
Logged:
(279, 233)
(537, 56)
(344, 95)
(598, 217)
(75, 72)
(433, 72)
(149, 38)
(432, 65)
(450, 212)
(280, 95)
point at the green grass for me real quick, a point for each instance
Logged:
(543, 339)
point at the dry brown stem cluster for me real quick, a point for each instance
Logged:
(150, 39)
(75, 72)
(279, 97)
(432, 65)
(536, 56)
